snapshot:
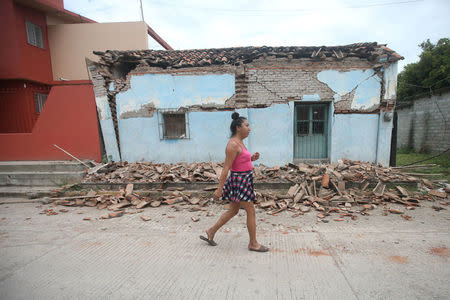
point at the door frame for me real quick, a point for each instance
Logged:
(330, 112)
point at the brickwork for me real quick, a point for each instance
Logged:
(280, 80)
(282, 85)
(267, 80)
(100, 90)
(262, 77)
(425, 124)
(99, 84)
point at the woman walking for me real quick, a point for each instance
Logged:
(238, 187)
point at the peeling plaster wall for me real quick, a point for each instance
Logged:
(107, 126)
(365, 83)
(390, 81)
(365, 137)
(174, 91)
(139, 132)
(356, 130)
(386, 124)
(209, 131)
(209, 135)
(105, 116)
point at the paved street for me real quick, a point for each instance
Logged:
(374, 257)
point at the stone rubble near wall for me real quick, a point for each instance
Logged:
(338, 190)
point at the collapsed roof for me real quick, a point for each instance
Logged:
(373, 52)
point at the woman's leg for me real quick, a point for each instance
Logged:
(224, 218)
(251, 224)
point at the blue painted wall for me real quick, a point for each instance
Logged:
(139, 136)
(384, 140)
(107, 126)
(365, 83)
(209, 133)
(354, 136)
(170, 91)
(363, 137)
(139, 139)
(272, 133)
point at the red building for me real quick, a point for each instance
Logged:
(46, 96)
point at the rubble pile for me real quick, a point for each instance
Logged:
(116, 202)
(148, 172)
(348, 188)
(329, 196)
(354, 171)
(340, 190)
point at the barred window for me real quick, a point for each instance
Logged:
(34, 35)
(173, 124)
(39, 100)
(318, 119)
(302, 120)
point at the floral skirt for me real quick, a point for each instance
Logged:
(239, 187)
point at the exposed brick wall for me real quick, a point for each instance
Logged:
(99, 84)
(268, 86)
(425, 125)
(278, 80)
(268, 80)
(100, 90)
(261, 83)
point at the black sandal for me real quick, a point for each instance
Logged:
(210, 242)
(260, 249)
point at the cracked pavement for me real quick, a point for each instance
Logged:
(374, 257)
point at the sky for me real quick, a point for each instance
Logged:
(199, 24)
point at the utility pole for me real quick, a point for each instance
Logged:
(142, 12)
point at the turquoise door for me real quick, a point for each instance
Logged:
(311, 131)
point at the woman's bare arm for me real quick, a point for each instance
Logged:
(231, 153)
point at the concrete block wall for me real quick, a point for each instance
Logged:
(425, 125)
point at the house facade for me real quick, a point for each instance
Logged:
(303, 103)
(46, 94)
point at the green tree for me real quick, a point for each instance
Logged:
(430, 73)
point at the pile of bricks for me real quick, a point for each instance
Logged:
(340, 190)
(346, 189)
(346, 170)
(116, 202)
(327, 194)
(149, 172)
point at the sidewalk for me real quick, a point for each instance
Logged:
(375, 257)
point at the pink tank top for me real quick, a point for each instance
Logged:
(242, 162)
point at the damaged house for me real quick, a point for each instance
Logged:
(315, 104)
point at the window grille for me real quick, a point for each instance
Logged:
(173, 124)
(39, 100)
(318, 119)
(310, 124)
(302, 120)
(34, 35)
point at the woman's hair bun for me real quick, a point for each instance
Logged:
(235, 116)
